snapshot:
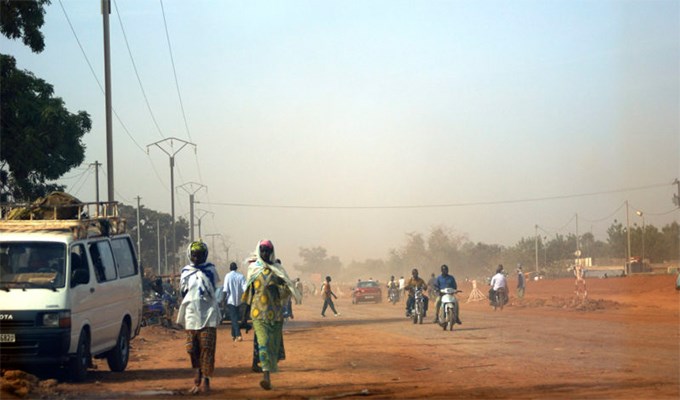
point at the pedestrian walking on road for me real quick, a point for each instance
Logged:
(300, 289)
(520, 282)
(234, 286)
(268, 288)
(328, 295)
(199, 313)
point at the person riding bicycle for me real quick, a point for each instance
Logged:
(498, 282)
(444, 281)
(413, 283)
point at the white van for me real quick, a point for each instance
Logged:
(70, 290)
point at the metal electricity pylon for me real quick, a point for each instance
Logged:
(191, 188)
(171, 153)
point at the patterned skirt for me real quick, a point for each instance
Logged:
(269, 343)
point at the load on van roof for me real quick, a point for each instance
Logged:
(60, 211)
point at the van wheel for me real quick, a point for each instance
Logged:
(78, 364)
(117, 358)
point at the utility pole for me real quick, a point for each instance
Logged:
(192, 192)
(158, 241)
(676, 197)
(536, 245)
(578, 242)
(628, 234)
(200, 217)
(171, 154)
(106, 10)
(212, 235)
(139, 232)
(96, 182)
(165, 246)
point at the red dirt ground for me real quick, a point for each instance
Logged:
(623, 344)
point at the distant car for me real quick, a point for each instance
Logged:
(367, 291)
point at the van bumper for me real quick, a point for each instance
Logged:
(37, 345)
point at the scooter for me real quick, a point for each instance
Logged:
(448, 308)
(393, 295)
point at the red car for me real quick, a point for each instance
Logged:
(367, 291)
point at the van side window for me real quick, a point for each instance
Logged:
(122, 250)
(102, 260)
(79, 262)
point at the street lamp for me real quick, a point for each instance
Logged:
(642, 215)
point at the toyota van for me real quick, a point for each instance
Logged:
(70, 290)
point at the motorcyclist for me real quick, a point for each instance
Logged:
(444, 281)
(413, 283)
(392, 287)
(498, 282)
(431, 287)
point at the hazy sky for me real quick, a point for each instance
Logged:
(354, 119)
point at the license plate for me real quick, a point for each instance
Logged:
(7, 338)
(368, 297)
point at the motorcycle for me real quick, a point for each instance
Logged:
(418, 311)
(152, 309)
(447, 310)
(498, 298)
(393, 295)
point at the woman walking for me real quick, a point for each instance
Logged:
(199, 313)
(268, 289)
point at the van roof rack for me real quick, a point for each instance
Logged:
(82, 219)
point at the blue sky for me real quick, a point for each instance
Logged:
(381, 104)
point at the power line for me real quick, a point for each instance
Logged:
(82, 50)
(134, 67)
(607, 217)
(179, 94)
(447, 205)
(94, 75)
(174, 71)
(84, 171)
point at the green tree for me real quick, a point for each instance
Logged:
(671, 242)
(617, 240)
(41, 140)
(23, 20)
(316, 260)
(149, 222)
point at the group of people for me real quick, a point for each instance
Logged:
(266, 289)
(499, 284)
(443, 281)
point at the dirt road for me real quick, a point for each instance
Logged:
(625, 344)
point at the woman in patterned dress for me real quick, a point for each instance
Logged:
(268, 288)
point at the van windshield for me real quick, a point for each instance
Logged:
(32, 264)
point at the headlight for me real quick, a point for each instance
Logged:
(60, 319)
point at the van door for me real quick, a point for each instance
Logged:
(106, 299)
(82, 303)
(130, 280)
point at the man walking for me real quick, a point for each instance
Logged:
(520, 282)
(300, 289)
(327, 294)
(402, 285)
(234, 285)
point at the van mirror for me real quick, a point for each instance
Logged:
(79, 277)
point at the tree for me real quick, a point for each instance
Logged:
(317, 260)
(23, 19)
(41, 140)
(617, 240)
(149, 236)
